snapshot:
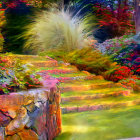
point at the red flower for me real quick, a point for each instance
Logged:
(138, 70)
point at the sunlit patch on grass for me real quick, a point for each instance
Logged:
(101, 125)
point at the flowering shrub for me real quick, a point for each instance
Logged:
(118, 19)
(14, 3)
(130, 57)
(123, 50)
(34, 3)
(129, 82)
(121, 72)
(16, 75)
(112, 46)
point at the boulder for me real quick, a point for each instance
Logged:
(28, 134)
(14, 137)
(2, 133)
(4, 120)
(18, 123)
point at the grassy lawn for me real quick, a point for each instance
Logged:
(101, 125)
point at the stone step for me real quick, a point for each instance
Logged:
(29, 57)
(45, 63)
(78, 78)
(95, 96)
(99, 106)
(126, 96)
(135, 138)
(88, 87)
(92, 92)
(58, 71)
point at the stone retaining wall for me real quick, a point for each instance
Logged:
(30, 115)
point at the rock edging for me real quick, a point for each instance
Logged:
(34, 114)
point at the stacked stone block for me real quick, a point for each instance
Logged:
(30, 115)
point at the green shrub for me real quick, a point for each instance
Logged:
(1, 42)
(16, 75)
(55, 54)
(90, 60)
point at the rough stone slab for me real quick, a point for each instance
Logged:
(4, 120)
(11, 101)
(30, 107)
(32, 117)
(12, 113)
(18, 123)
(28, 134)
(14, 137)
(40, 122)
(2, 130)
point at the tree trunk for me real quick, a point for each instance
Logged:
(137, 15)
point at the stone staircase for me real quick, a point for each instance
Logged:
(82, 91)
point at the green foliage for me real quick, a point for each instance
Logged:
(16, 75)
(90, 60)
(13, 28)
(55, 54)
(56, 29)
(1, 42)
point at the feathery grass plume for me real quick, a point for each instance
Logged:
(56, 30)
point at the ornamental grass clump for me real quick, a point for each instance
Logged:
(56, 30)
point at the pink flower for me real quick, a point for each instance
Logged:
(137, 59)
